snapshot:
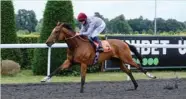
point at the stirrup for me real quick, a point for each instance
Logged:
(100, 49)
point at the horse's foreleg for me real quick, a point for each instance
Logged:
(47, 78)
(65, 65)
(129, 73)
(83, 75)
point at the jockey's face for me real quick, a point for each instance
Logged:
(82, 21)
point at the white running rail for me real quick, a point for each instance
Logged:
(63, 45)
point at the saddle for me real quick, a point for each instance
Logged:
(105, 44)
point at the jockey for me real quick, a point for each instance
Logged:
(91, 27)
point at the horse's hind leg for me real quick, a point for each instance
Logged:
(132, 63)
(126, 57)
(129, 73)
(145, 72)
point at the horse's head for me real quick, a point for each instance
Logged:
(61, 32)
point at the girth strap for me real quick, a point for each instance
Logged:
(96, 57)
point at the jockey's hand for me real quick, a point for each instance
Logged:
(77, 33)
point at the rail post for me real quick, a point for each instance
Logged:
(49, 59)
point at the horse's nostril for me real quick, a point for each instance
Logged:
(49, 44)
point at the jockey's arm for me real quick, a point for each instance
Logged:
(82, 29)
(89, 31)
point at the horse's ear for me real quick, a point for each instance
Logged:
(58, 23)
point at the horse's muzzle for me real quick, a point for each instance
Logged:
(49, 44)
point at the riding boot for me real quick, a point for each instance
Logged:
(100, 47)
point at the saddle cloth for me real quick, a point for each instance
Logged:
(106, 47)
(105, 44)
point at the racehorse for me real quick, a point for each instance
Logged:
(81, 51)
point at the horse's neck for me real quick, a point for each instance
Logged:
(72, 44)
(76, 42)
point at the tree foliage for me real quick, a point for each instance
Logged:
(119, 25)
(8, 31)
(140, 24)
(174, 25)
(39, 26)
(26, 20)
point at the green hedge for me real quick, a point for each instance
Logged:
(27, 54)
(28, 39)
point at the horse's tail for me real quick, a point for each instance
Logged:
(134, 50)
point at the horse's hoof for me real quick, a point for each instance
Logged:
(150, 75)
(136, 87)
(46, 79)
(43, 81)
(81, 91)
(154, 77)
(131, 89)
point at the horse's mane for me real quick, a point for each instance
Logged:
(68, 26)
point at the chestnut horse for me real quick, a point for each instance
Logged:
(80, 50)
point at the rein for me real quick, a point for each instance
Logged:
(71, 41)
(85, 40)
(70, 37)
